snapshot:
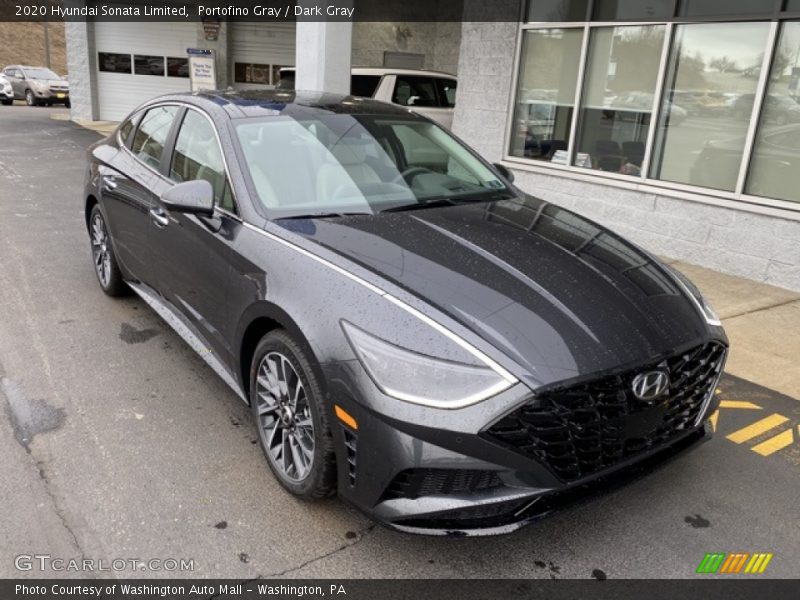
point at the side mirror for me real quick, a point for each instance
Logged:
(195, 197)
(504, 172)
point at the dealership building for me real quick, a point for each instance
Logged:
(674, 122)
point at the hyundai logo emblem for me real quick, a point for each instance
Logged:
(649, 386)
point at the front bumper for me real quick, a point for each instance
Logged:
(437, 472)
(49, 95)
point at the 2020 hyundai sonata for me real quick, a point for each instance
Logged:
(410, 330)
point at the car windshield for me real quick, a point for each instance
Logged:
(342, 164)
(40, 74)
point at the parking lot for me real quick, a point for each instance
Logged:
(119, 442)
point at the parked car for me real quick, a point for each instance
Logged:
(776, 108)
(410, 330)
(37, 85)
(6, 91)
(429, 93)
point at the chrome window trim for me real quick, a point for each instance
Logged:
(166, 179)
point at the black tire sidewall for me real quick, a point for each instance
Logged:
(321, 481)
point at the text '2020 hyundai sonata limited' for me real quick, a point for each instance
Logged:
(411, 331)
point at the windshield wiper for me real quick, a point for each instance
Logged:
(321, 215)
(465, 198)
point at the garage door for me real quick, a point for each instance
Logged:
(138, 61)
(259, 50)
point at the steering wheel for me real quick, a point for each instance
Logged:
(410, 173)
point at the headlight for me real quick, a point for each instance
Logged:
(420, 379)
(702, 304)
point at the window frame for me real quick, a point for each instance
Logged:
(737, 198)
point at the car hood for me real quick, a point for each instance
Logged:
(559, 294)
(52, 82)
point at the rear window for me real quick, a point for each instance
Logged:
(364, 85)
(447, 92)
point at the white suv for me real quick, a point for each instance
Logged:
(429, 93)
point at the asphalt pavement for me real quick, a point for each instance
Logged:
(118, 442)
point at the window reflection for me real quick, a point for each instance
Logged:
(546, 93)
(775, 166)
(618, 98)
(712, 75)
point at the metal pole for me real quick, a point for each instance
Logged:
(46, 44)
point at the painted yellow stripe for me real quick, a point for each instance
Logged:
(738, 404)
(773, 444)
(755, 565)
(714, 418)
(727, 563)
(757, 428)
(753, 560)
(765, 563)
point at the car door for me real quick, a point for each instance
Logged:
(191, 252)
(131, 181)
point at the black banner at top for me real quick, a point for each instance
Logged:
(261, 10)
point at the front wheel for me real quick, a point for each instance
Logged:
(291, 417)
(30, 99)
(105, 262)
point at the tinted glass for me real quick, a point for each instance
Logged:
(447, 91)
(364, 85)
(126, 129)
(251, 73)
(612, 10)
(548, 75)
(414, 91)
(346, 163)
(178, 67)
(148, 143)
(148, 65)
(557, 10)
(197, 155)
(618, 97)
(708, 8)
(114, 63)
(775, 164)
(708, 97)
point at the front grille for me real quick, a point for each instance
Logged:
(414, 483)
(58, 88)
(579, 430)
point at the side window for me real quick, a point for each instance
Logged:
(447, 92)
(148, 143)
(364, 85)
(414, 91)
(127, 128)
(197, 155)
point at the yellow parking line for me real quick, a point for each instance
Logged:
(763, 565)
(757, 428)
(738, 404)
(714, 418)
(773, 444)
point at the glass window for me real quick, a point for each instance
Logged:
(447, 91)
(618, 97)
(792, 5)
(613, 10)
(251, 73)
(148, 143)
(414, 91)
(358, 163)
(557, 11)
(711, 80)
(197, 155)
(111, 62)
(708, 8)
(127, 128)
(548, 75)
(775, 164)
(364, 85)
(148, 65)
(178, 67)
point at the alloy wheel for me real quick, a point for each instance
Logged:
(284, 417)
(101, 251)
(29, 98)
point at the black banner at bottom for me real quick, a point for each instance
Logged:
(391, 589)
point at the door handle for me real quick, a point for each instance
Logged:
(158, 217)
(109, 183)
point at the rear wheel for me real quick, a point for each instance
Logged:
(291, 417)
(105, 262)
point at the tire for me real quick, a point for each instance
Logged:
(67, 104)
(30, 99)
(283, 432)
(8, 102)
(105, 262)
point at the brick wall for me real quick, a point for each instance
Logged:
(760, 247)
